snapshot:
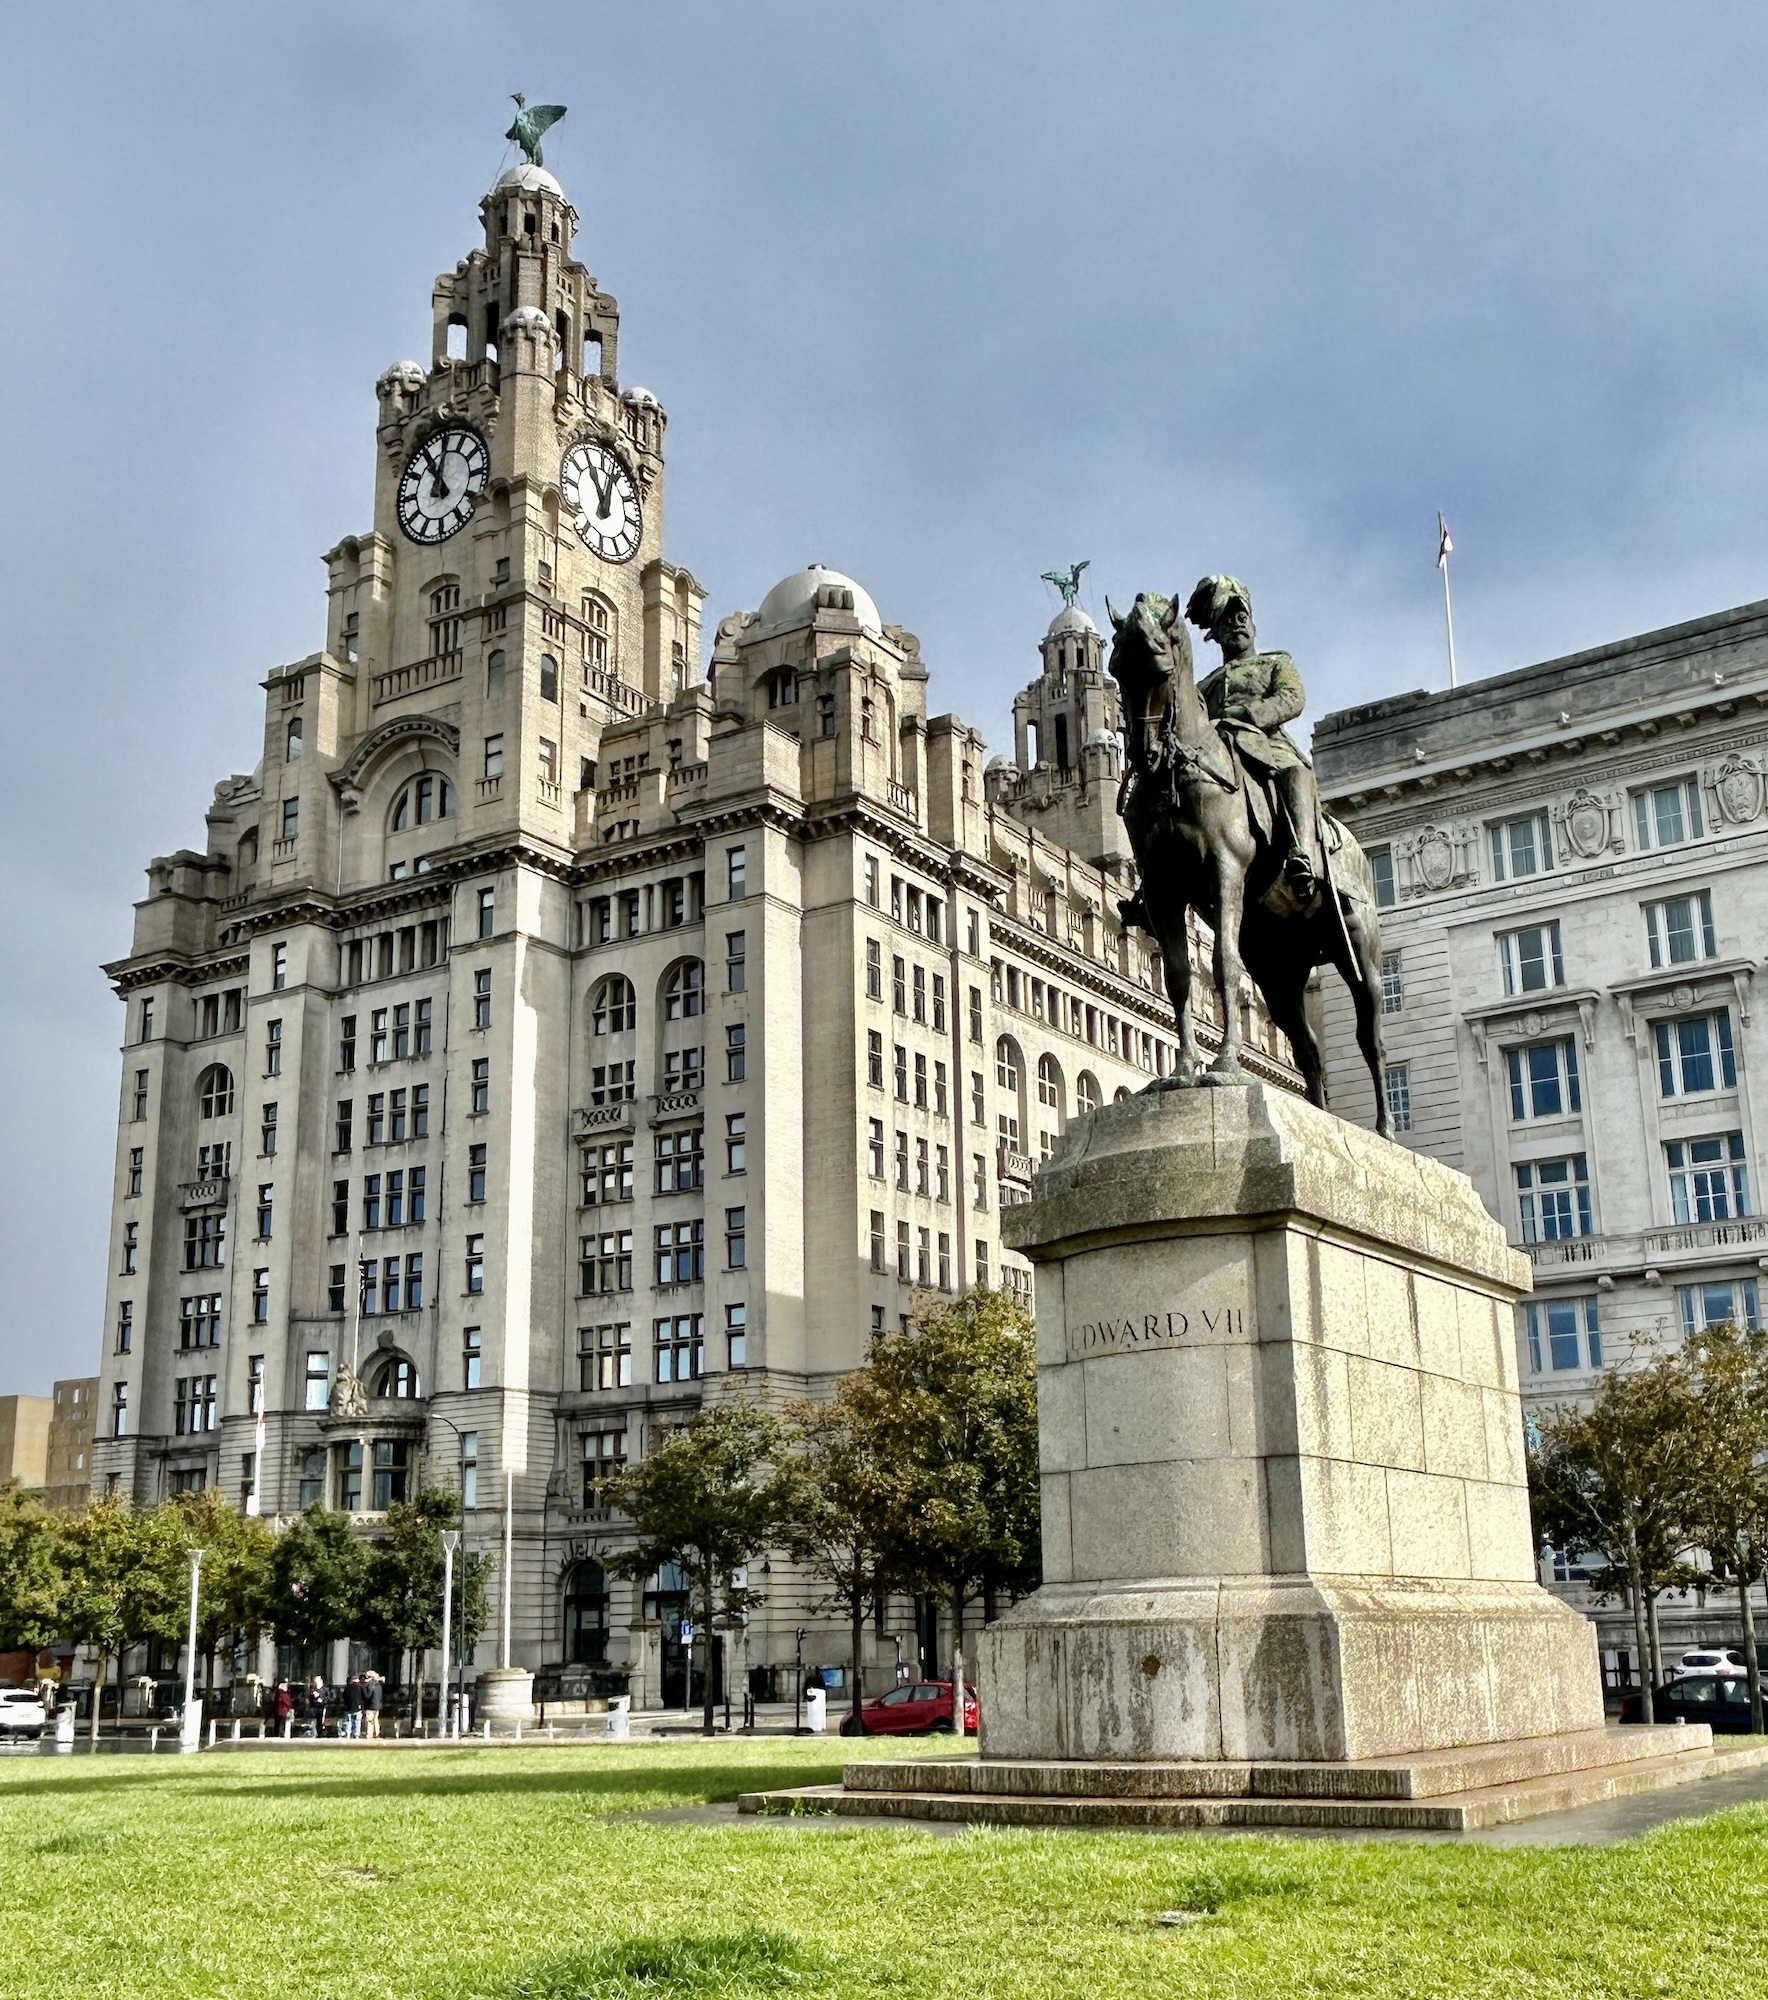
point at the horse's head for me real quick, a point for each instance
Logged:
(1149, 645)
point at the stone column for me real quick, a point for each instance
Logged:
(1284, 1506)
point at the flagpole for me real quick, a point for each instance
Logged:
(1444, 545)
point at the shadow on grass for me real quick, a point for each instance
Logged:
(682, 1964)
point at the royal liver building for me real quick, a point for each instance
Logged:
(550, 1034)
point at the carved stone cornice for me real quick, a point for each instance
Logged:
(1684, 989)
(346, 779)
(1527, 1017)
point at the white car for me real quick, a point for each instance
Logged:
(22, 1712)
(1725, 1661)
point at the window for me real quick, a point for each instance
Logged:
(736, 1239)
(279, 967)
(943, 1173)
(475, 1263)
(1531, 961)
(923, 1257)
(125, 1325)
(604, 1357)
(481, 1085)
(782, 692)
(1667, 814)
(205, 1243)
(469, 1468)
(938, 993)
(875, 1148)
(735, 961)
(1561, 1331)
(902, 1073)
(254, 1385)
(472, 1357)
(311, 1467)
(684, 991)
(607, 1173)
(334, 1290)
(979, 1182)
(902, 1252)
(976, 1013)
(736, 1143)
(273, 1048)
(920, 985)
(350, 1476)
(1728, 1302)
(604, 1458)
(392, 1461)
(1695, 1055)
(682, 1071)
(872, 880)
(736, 1335)
(681, 1252)
(377, 1036)
(345, 1107)
(137, 1159)
(920, 1080)
(613, 1083)
(1680, 929)
(605, 1262)
(679, 1348)
(940, 1107)
(396, 1117)
(734, 1052)
(902, 1162)
(1543, 1079)
(494, 756)
(398, 1381)
(896, 899)
(482, 997)
(877, 1239)
(1521, 847)
(266, 1209)
(614, 1007)
(347, 1043)
(267, 1131)
(193, 1405)
(1049, 1081)
(146, 1034)
(119, 1409)
(139, 1110)
(978, 1111)
(945, 1262)
(874, 969)
(214, 1092)
(922, 1165)
(1709, 1178)
(736, 873)
(318, 1379)
(982, 1261)
(199, 1319)
(291, 818)
(487, 912)
(1381, 869)
(414, 1281)
(1553, 1199)
(549, 678)
(427, 799)
(875, 1059)
(420, 1036)
(1398, 1078)
(680, 1161)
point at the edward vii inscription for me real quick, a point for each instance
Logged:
(1137, 1332)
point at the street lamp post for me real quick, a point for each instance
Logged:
(798, 1695)
(460, 1697)
(191, 1723)
(450, 1542)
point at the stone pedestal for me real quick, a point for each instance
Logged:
(1284, 1508)
(504, 1696)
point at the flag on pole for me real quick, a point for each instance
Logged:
(1444, 545)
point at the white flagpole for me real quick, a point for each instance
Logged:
(1444, 545)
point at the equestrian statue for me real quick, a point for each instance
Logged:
(1224, 819)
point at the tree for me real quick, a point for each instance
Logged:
(1620, 1478)
(953, 1402)
(318, 1579)
(841, 1493)
(125, 1579)
(708, 1497)
(233, 1597)
(31, 1581)
(402, 1591)
(1730, 1513)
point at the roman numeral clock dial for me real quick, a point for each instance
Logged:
(441, 484)
(603, 498)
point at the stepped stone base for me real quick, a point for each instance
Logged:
(1439, 1791)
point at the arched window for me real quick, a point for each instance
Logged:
(1007, 1065)
(215, 1091)
(293, 748)
(1120, 1095)
(614, 1009)
(425, 799)
(549, 678)
(586, 1615)
(398, 1379)
(782, 687)
(684, 990)
(1049, 1082)
(598, 631)
(494, 675)
(1086, 1093)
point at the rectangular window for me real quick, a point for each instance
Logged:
(311, 1468)
(125, 1325)
(680, 1161)
(371, 1201)
(923, 1257)
(736, 1142)
(1679, 930)
(874, 969)
(267, 1132)
(945, 1262)
(943, 1174)
(469, 1468)
(291, 818)
(347, 1043)
(494, 755)
(1727, 1302)
(279, 969)
(903, 1270)
(266, 1209)
(920, 1080)
(923, 1165)
(1531, 959)
(318, 1379)
(604, 1459)
(682, 1070)
(1667, 815)
(613, 1083)
(920, 988)
(874, 1059)
(472, 1357)
(414, 1281)
(872, 880)
(1562, 1332)
(350, 1476)
(420, 1034)
(260, 1297)
(475, 1263)
(205, 1243)
(734, 1052)
(1544, 1079)
(273, 1048)
(875, 1148)
(481, 1084)
(1709, 1178)
(896, 899)
(1393, 987)
(976, 1013)
(199, 1318)
(482, 997)
(736, 961)
(604, 1357)
(736, 1239)
(678, 1348)
(549, 750)
(346, 1108)
(1399, 1096)
(605, 1262)
(899, 986)
(1695, 1055)
(938, 998)
(1553, 1199)
(736, 868)
(978, 1110)
(416, 1180)
(392, 1465)
(139, 1110)
(119, 1409)
(736, 1335)
(607, 1173)
(877, 1239)
(914, 909)
(1381, 868)
(137, 1159)
(377, 1035)
(902, 1163)
(146, 1034)
(681, 1252)
(979, 1182)
(982, 1261)
(902, 1073)
(396, 1117)
(1521, 847)
(254, 1385)
(334, 1288)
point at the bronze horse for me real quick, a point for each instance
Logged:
(1199, 846)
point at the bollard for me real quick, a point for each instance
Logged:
(153, 1739)
(64, 1731)
(212, 1731)
(518, 1730)
(488, 1729)
(288, 1727)
(236, 1729)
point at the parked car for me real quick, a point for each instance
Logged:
(918, 1708)
(1709, 1660)
(1722, 1700)
(22, 1712)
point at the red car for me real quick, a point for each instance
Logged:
(915, 1709)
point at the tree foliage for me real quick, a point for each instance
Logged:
(125, 1576)
(31, 1573)
(401, 1604)
(1729, 1510)
(318, 1579)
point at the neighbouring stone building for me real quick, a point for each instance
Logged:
(1573, 862)
(73, 1415)
(545, 1037)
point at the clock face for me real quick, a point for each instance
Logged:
(441, 484)
(603, 498)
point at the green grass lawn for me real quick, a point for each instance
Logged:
(522, 1873)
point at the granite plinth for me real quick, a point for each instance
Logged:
(504, 1697)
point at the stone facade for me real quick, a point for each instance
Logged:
(67, 1475)
(547, 1038)
(1574, 859)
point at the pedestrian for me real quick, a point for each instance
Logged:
(316, 1701)
(282, 1707)
(351, 1725)
(372, 1692)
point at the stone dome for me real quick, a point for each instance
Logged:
(640, 399)
(792, 601)
(526, 179)
(1071, 618)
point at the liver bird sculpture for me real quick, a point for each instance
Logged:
(531, 121)
(1066, 580)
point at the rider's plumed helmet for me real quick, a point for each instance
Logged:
(1209, 602)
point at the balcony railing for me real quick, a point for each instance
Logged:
(548, 789)
(1013, 1166)
(397, 681)
(904, 801)
(1705, 1237)
(675, 1104)
(210, 1192)
(605, 1117)
(1646, 1250)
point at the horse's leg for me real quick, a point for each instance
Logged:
(1362, 974)
(1285, 992)
(1177, 959)
(1228, 858)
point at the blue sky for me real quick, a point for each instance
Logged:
(944, 296)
